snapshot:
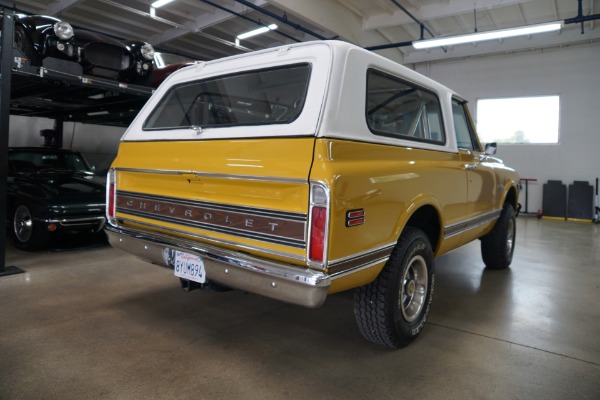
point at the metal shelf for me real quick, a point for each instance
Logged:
(58, 90)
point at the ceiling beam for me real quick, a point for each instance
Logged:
(328, 15)
(57, 7)
(203, 21)
(118, 22)
(430, 12)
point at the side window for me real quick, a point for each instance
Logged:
(465, 135)
(402, 110)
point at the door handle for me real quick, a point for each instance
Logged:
(470, 167)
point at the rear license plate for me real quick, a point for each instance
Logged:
(189, 266)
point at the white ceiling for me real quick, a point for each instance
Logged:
(198, 29)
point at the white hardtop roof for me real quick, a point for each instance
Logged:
(331, 110)
(340, 49)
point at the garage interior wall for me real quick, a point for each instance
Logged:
(570, 72)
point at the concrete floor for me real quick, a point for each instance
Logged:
(99, 324)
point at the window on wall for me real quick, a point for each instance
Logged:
(402, 110)
(519, 120)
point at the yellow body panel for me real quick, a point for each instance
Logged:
(390, 183)
(260, 173)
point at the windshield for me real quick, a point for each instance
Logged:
(268, 96)
(36, 161)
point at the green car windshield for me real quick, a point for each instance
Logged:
(34, 161)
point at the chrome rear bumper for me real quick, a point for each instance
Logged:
(237, 270)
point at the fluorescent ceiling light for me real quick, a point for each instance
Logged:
(491, 35)
(258, 31)
(160, 3)
(96, 113)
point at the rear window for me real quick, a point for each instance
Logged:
(260, 97)
(400, 109)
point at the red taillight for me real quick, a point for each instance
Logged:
(111, 201)
(110, 197)
(318, 219)
(318, 225)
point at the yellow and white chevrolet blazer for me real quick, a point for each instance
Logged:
(309, 169)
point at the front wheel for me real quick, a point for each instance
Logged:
(498, 246)
(27, 234)
(392, 310)
(23, 42)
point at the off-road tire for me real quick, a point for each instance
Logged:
(498, 246)
(392, 310)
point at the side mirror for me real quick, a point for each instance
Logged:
(490, 148)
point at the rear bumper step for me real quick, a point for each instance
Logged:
(229, 268)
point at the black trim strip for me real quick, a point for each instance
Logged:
(464, 226)
(360, 260)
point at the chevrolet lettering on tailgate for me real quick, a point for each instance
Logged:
(306, 170)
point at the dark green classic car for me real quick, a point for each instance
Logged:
(51, 191)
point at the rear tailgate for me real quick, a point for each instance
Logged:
(242, 194)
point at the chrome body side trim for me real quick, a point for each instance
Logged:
(97, 222)
(357, 268)
(279, 227)
(209, 239)
(216, 176)
(360, 260)
(280, 281)
(464, 226)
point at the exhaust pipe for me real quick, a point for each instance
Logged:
(188, 285)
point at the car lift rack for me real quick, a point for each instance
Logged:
(57, 90)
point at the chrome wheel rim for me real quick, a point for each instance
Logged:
(22, 224)
(413, 289)
(510, 238)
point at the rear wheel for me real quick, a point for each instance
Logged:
(392, 310)
(27, 234)
(498, 246)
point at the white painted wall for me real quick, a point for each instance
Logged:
(97, 143)
(571, 72)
